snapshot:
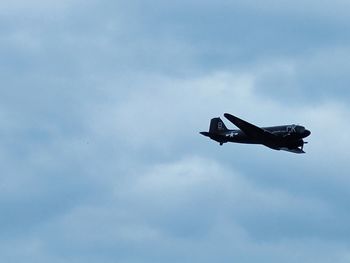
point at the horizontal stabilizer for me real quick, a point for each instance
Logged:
(205, 133)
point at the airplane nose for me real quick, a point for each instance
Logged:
(307, 133)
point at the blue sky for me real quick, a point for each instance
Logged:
(101, 105)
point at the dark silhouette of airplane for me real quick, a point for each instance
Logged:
(286, 137)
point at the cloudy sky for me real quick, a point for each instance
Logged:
(101, 103)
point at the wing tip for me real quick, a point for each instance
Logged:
(230, 117)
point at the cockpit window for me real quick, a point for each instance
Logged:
(300, 129)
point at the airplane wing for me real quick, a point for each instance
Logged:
(295, 150)
(250, 129)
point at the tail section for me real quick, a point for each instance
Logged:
(216, 130)
(217, 126)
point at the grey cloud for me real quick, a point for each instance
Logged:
(101, 107)
(320, 76)
(146, 216)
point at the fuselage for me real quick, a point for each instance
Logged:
(283, 137)
(290, 136)
(294, 132)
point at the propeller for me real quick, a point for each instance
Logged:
(302, 146)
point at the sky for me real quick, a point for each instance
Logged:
(101, 105)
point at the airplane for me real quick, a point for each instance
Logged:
(287, 137)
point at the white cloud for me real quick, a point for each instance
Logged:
(165, 110)
(159, 109)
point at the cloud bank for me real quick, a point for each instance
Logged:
(101, 105)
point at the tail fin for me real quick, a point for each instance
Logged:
(217, 126)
